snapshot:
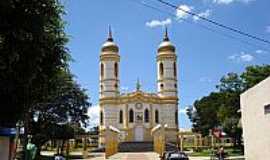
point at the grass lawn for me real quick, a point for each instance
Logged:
(207, 152)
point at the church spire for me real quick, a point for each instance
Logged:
(138, 85)
(110, 38)
(166, 38)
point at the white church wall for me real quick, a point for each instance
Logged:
(168, 68)
(168, 115)
(110, 115)
(256, 121)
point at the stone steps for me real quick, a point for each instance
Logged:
(135, 147)
(142, 147)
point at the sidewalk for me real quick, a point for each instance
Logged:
(136, 156)
(128, 156)
(208, 158)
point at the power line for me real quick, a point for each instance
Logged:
(200, 25)
(215, 22)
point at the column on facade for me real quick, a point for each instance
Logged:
(151, 116)
(126, 116)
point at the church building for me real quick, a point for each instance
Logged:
(137, 112)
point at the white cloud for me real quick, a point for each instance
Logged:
(204, 14)
(183, 110)
(267, 29)
(157, 23)
(223, 1)
(205, 79)
(242, 57)
(246, 57)
(180, 12)
(231, 1)
(124, 89)
(93, 113)
(259, 51)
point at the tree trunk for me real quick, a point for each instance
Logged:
(58, 148)
(62, 146)
(25, 135)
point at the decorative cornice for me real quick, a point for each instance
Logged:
(166, 56)
(167, 79)
(110, 56)
(166, 91)
(109, 91)
(139, 96)
(108, 79)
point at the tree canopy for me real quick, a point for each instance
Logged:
(221, 109)
(32, 47)
(36, 86)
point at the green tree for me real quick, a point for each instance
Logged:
(222, 108)
(66, 104)
(230, 86)
(203, 113)
(32, 47)
(255, 74)
(32, 53)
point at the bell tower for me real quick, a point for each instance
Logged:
(166, 68)
(109, 68)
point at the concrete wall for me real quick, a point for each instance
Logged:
(256, 123)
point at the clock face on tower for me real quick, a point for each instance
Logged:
(138, 106)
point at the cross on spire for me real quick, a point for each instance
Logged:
(110, 38)
(166, 38)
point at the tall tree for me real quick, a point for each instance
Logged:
(66, 103)
(32, 47)
(230, 86)
(255, 74)
(32, 52)
(203, 113)
(222, 108)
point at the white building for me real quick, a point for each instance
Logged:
(255, 108)
(136, 113)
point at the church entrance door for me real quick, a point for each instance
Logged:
(138, 132)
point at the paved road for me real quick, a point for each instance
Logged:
(134, 156)
(129, 156)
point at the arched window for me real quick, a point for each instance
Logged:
(101, 117)
(161, 86)
(102, 70)
(146, 116)
(131, 116)
(174, 69)
(115, 86)
(161, 69)
(176, 117)
(121, 117)
(156, 116)
(116, 69)
(101, 88)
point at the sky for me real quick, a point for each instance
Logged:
(205, 52)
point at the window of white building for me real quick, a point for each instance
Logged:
(267, 109)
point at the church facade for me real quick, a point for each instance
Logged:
(136, 113)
